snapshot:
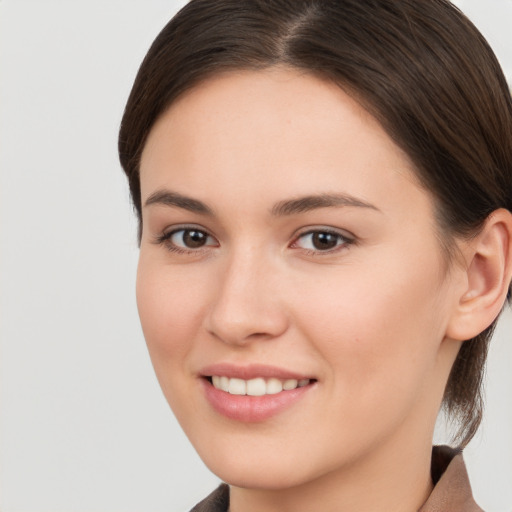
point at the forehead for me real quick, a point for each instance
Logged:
(279, 127)
(267, 99)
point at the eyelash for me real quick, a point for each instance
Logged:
(166, 239)
(343, 241)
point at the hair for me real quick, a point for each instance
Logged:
(420, 67)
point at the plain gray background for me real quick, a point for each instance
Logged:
(83, 424)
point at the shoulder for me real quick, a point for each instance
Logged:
(217, 501)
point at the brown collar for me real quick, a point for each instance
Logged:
(452, 492)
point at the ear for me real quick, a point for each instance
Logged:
(488, 273)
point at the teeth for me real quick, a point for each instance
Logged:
(290, 384)
(256, 387)
(224, 384)
(237, 387)
(274, 386)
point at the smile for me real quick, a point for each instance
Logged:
(253, 393)
(258, 386)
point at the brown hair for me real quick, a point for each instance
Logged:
(419, 66)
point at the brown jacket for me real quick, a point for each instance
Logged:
(451, 493)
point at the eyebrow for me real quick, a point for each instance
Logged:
(280, 209)
(313, 202)
(168, 198)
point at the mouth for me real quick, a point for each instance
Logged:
(258, 386)
(253, 393)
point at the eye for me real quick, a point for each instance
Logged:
(187, 239)
(321, 240)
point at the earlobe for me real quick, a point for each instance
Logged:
(488, 276)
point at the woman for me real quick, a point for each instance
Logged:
(324, 192)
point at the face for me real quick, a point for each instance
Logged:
(291, 286)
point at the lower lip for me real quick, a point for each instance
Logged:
(251, 409)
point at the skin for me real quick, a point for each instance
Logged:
(369, 319)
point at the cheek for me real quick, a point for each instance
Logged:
(379, 326)
(169, 304)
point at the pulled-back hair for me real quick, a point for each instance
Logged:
(420, 67)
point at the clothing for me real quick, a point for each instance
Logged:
(452, 492)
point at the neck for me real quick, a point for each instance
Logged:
(396, 479)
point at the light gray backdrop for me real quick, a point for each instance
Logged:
(83, 424)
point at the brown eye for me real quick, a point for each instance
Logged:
(324, 241)
(190, 239)
(321, 241)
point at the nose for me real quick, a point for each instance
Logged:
(246, 304)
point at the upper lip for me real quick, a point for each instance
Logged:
(251, 371)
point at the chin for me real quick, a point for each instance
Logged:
(268, 467)
(264, 477)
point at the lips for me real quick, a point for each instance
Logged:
(253, 393)
(251, 371)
